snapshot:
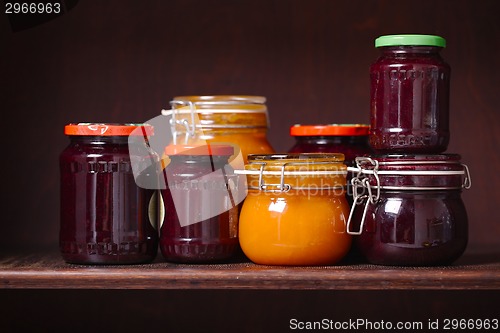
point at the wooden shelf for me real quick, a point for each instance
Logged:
(473, 271)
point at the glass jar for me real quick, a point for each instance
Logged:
(241, 121)
(412, 214)
(410, 85)
(295, 212)
(105, 217)
(201, 206)
(348, 139)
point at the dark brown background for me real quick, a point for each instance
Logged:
(123, 60)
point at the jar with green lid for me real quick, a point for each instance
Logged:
(410, 85)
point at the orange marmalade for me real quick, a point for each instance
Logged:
(241, 121)
(295, 212)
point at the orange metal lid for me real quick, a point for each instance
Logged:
(330, 130)
(209, 149)
(98, 129)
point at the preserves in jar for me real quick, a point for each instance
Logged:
(295, 212)
(413, 215)
(410, 85)
(201, 212)
(106, 218)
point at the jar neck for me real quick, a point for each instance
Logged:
(410, 51)
(351, 140)
(296, 171)
(98, 140)
(216, 160)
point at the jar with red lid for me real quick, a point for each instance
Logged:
(410, 212)
(201, 205)
(410, 85)
(348, 139)
(106, 218)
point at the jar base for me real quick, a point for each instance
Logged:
(108, 253)
(414, 257)
(199, 253)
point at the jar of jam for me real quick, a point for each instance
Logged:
(200, 200)
(348, 139)
(410, 85)
(295, 212)
(412, 214)
(105, 217)
(241, 121)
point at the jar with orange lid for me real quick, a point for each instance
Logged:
(201, 205)
(348, 139)
(239, 120)
(106, 218)
(295, 212)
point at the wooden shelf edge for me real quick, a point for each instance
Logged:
(50, 272)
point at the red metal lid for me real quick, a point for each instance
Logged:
(102, 129)
(330, 130)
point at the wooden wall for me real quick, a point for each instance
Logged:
(124, 60)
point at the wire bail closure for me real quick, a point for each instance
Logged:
(366, 166)
(283, 187)
(190, 127)
(361, 181)
(467, 180)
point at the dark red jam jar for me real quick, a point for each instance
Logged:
(410, 212)
(348, 139)
(410, 85)
(105, 217)
(201, 215)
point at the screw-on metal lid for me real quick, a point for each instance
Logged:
(410, 40)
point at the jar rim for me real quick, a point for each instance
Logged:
(213, 104)
(411, 174)
(230, 99)
(415, 158)
(303, 157)
(108, 129)
(279, 173)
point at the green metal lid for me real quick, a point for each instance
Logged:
(410, 40)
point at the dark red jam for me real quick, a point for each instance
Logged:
(105, 217)
(410, 85)
(201, 219)
(419, 218)
(348, 139)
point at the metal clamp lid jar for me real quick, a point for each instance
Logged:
(412, 212)
(295, 212)
(240, 120)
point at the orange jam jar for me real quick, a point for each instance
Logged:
(295, 212)
(241, 121)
